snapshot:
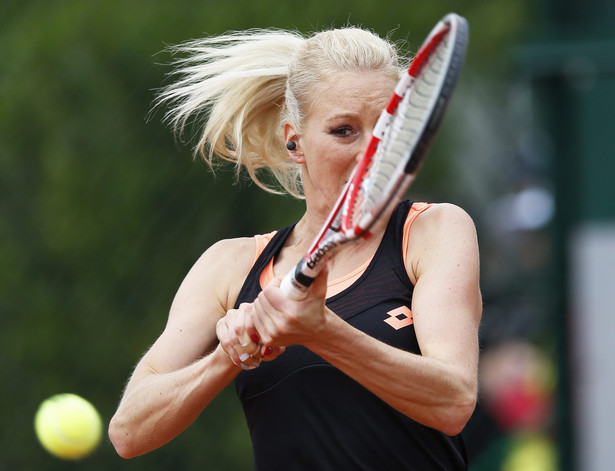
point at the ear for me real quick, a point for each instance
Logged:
(290, 134)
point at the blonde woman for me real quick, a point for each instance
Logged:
(377, 368)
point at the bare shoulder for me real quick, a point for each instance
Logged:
(230, 254)
(443, 220)
(440, 215)
(207, 292)
(444, 232)
(222, 269)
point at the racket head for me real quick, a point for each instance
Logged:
(401, 139)
(406, 128)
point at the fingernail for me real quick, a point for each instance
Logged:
(267, 351)
(254, 338)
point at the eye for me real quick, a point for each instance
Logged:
(342, 131)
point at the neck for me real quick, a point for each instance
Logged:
(305, 232)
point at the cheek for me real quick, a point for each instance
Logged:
(328, 161)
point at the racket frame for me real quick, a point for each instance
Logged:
(339, 229)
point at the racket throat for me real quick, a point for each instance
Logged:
(316, 260)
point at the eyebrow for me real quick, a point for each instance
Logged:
(342, 116)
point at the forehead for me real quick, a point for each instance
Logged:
(353, 92)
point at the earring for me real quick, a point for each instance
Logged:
(291, 145)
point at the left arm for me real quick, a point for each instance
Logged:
(437, 388)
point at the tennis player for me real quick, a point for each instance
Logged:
(376, 369)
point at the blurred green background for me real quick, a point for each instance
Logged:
(102, 211)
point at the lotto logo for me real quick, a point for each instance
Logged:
(399, 318)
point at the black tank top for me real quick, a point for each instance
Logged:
(305, 414)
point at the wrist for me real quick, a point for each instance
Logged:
(221, 358)
(328, 334)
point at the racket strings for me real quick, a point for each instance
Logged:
(386, 169)
(387, 174)
(414, 109)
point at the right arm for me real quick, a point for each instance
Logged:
(186, 367)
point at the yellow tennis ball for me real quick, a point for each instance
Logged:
(68, 426)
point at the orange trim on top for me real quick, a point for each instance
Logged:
(337, 286)
(261, 241)
(415, 211)
(340, 284)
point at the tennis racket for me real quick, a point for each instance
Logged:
(401, 139)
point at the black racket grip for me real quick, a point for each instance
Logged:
(296, 284)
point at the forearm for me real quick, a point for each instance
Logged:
(428, 390)
(157, 407)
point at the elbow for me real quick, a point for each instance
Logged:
(455, 425)
(457, 415)
(121, 440)
(454, 416)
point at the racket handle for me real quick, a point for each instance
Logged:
(293, 288)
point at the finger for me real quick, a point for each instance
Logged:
(249, 334)
(251, 330)
(223, 333)
(249, 362)
(246, 350)
(237, 330)
(263, 319)
(271, 353)
(319, 287)
(238, 356)
(235, 343)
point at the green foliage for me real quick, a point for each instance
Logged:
(102, 212)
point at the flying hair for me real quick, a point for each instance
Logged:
(243, 86)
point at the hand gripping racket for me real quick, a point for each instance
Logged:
(400, 141)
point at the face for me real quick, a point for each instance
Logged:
(338, 128)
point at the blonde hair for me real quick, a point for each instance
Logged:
(247, 84)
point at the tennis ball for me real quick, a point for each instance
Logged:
(68, 426)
